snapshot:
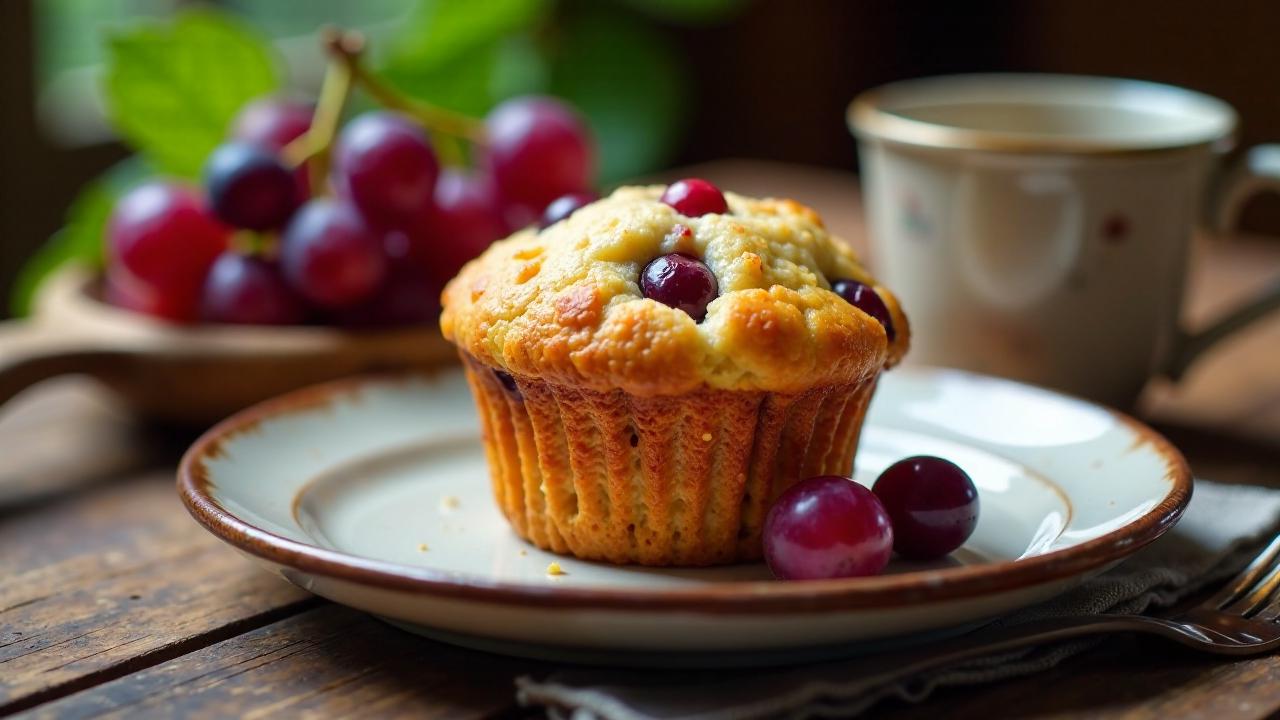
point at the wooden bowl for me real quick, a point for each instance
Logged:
(191, 374)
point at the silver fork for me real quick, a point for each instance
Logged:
(1240, 619)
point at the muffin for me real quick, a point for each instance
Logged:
(627, 419)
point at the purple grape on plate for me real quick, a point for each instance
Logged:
(824, 527)
(933, 505)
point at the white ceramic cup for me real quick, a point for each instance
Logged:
(1037, 226)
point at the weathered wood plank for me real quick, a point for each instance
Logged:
(330, 662)
(112, 579)
(334, 662)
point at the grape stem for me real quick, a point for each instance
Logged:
(345, 71)
(435, 118)
(314, 144)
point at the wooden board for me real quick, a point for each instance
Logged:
(328, 662)
(114, 579)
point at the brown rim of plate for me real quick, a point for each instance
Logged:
(762, 597)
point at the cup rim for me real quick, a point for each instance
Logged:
(876, 114)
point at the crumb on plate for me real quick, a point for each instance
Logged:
(422, 547)
(555, 570)
(449, 503)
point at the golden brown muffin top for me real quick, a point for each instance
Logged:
(565, 304)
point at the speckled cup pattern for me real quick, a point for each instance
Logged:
(662, 481)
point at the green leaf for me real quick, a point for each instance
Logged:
(520, 68)
(462, 85)
(80, 239)
(625, 78)
(478, 78)
(172, 89)
(690, 12)
(466, 55)
(439, 32)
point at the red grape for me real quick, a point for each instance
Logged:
(933, 505)
(249, 290)
(464, 221)
(124, 292)
(330, 255)
(162, 236)
(405, 297)
(538, 149)
(272, 122)
(248, 186)
(827, 527)
(385, 165)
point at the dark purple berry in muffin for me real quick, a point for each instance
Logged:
(864, 297)
(681, 282)
(564, 206)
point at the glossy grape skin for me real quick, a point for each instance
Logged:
(162, 236)
(564, 206)
(694, 197)
(385, 165)
(272, 122)
(681, 282)
(407, 297)
(538, 149)
(865, 298)
(933, 505)
(827, 527)
(330, 255)
(122, 291)
(246, 290)
(248, 186)
(463, 221)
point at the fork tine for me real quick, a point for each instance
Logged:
(1270, 612)
(1248, 577)
(1258, 595)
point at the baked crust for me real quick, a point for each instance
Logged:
(564, 305)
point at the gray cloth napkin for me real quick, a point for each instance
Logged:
(1218, 534)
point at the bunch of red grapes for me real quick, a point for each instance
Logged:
(371, 248)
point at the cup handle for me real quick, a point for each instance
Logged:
(1258, 171)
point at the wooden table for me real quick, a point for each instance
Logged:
(113, 601)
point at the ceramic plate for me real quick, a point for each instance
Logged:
(374, 493)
